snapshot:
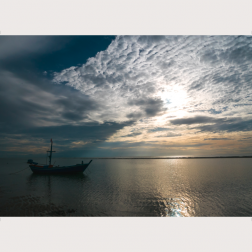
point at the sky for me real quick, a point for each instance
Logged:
(124, 96)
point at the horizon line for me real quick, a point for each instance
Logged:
(155, 157)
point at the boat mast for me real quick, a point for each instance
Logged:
(50, 157)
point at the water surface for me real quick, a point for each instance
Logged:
(130, 187)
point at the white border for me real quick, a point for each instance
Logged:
(131, 17)
(125, 234)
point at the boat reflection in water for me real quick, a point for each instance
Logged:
(56, 194)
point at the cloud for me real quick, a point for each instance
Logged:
(132, 134)
(76, 106)
(22, 103)
(134, 115)
(26, 102)
(142, 67)
(213, 111)
(201, 83)
(86, 132)
(158, 129)
(153, 144)
(120, 78)
(212, 124)
(193, 120)
(65, 137)
(151, 106)
(170, 134)
(245, 138)
(14, 47)
(141, 77)
(217, 138)
(227, 126)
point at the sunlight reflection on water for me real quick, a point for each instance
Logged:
(176, 207)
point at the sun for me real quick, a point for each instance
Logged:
(173, 97)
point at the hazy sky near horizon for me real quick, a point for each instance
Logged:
(126, 95)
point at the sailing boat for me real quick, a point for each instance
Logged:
(51, 169)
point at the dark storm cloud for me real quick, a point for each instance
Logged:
(90, 136)
(151, 106)
(88, 132)
(26, 97)
(133, 134)
(216, 124)
(73, 116)
(20, 100)
(134, 115)
(227, 126)
(27, 101)
(210, 111)
(193, 120)
(158, 129)
(76, 106)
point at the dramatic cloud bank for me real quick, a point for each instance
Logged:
(144, 76)
(170, 81)
(161, 95)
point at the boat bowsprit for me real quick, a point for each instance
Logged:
(51, 169)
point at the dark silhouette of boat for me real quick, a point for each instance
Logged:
(51, 169)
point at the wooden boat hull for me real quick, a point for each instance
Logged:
(46, 169)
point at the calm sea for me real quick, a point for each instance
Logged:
(130, 187)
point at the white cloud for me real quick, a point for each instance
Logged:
(181, 74)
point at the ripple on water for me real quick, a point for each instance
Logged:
(33, 206)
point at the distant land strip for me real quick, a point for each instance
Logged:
(166, 157)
